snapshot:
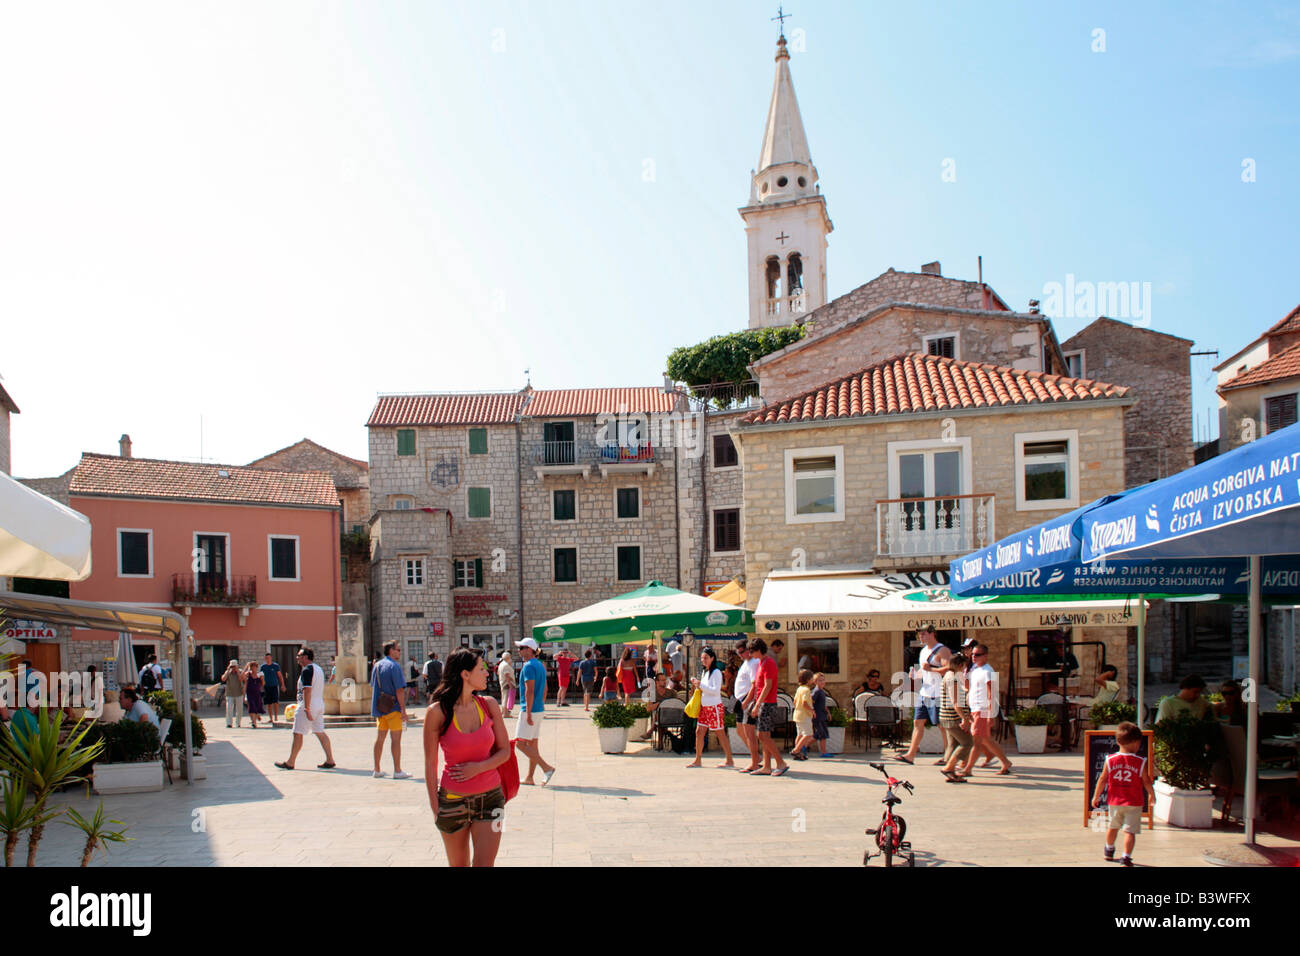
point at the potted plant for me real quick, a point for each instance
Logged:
(1031, 728)
(612, 723)
(1291, 703)
(738, 745)
(838, 721)
(164, 702)
(1186, 747)
(1110, 715)
(133, 764)
(640, 719)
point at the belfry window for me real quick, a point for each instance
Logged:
(794, 273)
(773, 277)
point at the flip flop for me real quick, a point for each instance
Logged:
(325, 766)
(780, 772)
(910, 763)
(761, 773)
(284, 766)
(1004, 772)
(749, 770)
(956, 779)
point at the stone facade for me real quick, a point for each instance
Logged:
(703, 488)
(1157, 366)
(1242, 413)
(1000, 338)
(351, 477)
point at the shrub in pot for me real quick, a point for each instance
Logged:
(640, 725)
(1031, 728)
(1186, 748)
(612, 723)
(1291, 703)
(131, 762)
(838, 720)
(1111, 714)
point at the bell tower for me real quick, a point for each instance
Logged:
(786, 220)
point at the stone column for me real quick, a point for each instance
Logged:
(349, 692)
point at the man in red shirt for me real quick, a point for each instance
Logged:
(764, 709)
(564, 662)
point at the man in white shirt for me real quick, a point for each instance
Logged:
(930, 665)
(746, 722)
(982, 699)
(309, 718)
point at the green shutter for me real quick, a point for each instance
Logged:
(480, 502)
(478, 572)
(406, 441)
(478, 441)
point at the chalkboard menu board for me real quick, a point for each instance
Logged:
(1097, 746)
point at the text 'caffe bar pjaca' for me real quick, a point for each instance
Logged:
(846, 623)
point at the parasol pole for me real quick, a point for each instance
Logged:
(1252, 700)
(1141, 660)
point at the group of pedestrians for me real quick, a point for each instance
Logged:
(253, 688)
(958, 694)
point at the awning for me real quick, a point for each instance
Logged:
(730, 593)
(40, 538)
(812, 602)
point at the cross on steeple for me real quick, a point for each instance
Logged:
(782, 16)
(783, 237)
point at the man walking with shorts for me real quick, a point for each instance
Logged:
(587, 674)
(746, 723)
(931, 665)
(272, 688)
(764, 709)
(388, 689)
(310, 715)
(981, 698)
(532, 702)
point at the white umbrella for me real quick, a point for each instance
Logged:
(124, 670)
(40, 538)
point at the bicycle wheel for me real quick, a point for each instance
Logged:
(901, 824)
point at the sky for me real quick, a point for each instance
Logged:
(228, 226)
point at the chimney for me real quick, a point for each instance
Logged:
(931, 269)
(124, 446)
(1034, 306)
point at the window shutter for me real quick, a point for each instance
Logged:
(454, 576)
(1280, 412)
(478, 441)
(478, 572)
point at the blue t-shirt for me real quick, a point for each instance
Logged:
(587, 669)
(534, 671)
(271, 675)
(386, 678)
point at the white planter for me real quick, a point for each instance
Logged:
(738, 745)
(638, 729)
(1031, 740)
(1193, 809)
(613, 740)
(835, 742)
(145, 777)
(200, 767)
(931, 740)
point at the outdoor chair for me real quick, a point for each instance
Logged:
(1056, 704)
(882, 719)
(830, 703)
(670, 716)
(785, 699)
(860, 724)
(164, 728)
(1229, 775)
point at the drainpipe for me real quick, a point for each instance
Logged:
(519, 524)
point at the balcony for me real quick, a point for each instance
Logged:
(214, 590)
(788, 305)
(930, 527)
(579, 457)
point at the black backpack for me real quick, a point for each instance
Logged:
(147, 680)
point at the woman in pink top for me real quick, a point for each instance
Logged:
(466, 728)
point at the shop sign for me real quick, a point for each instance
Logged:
(474, 605)
(435, 628)
(1059, 618)
(30, 631)
(956, 622)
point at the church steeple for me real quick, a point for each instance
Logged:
(786, 220)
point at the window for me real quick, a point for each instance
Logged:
(628, 502)
(343, 568)
(415, 572)
(1075, 367)
(566, 565)
(134, 553)
(478, 441)
(406, 441)
(817, 654)
(1279, 412)
(1047, 470)
(558, 443)
(726, 529)
(469, 573)
(480, 502)
(401, 502)
(944, 346)
(564, 505)
(283, 557)
(814, 484)
(724, 452)
(926, 512)
(629, 562)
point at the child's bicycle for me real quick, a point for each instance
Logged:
(889, 835)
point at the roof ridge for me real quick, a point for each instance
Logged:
(1253, 374)
(199, 464)
(314, 444)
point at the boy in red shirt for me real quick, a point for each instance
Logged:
(1126, 780)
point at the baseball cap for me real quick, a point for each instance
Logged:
(969, 642)
(527, 642)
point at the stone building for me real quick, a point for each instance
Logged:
(1259, 384)
(903, 466)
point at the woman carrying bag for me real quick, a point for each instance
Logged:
(709, 688)
(465, 727)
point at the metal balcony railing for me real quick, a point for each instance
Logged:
(955, 524)
(239, 591)
(612, 453)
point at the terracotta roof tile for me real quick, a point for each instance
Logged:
(111, 476)
(1289, 324)
(922, 383)
(483, 408)
(1285, 364)
(551, 403)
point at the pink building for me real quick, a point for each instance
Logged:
(249, 556)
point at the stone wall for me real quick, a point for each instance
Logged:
(398, 611)
(722, 488)
(1003, 338)
(351, 478)
(1242, 412)
(55, 488)
(1158, 429)
(769, 539)
(892, 286)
